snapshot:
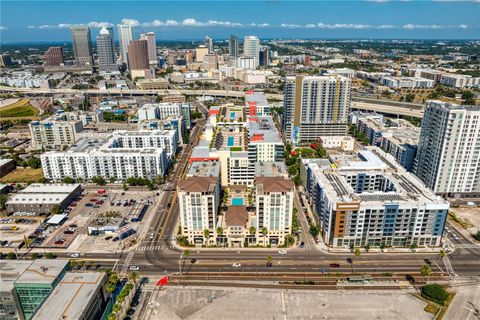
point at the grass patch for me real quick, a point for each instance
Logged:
(464, 223)
(430, 308)
(445, 307)
(19, 109)
(23, 175)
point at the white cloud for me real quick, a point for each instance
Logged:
(131, 22)
(31, 27)
(289, 25)
(95, 24)
(423, 26)
(3, 28)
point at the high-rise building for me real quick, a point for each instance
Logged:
(448, 157)
(251, 48)
(264, 56)
(125, 35)
(54, 57)
(210, 61)
(315, 106)
(233, 46)
(152, 46)
(82, 45)
(200, 52)
(208, 42)
(138, 58)
(106, 51)
(54, 132)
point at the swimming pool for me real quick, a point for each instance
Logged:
(232, 115)
(231, 141)
(237, 202)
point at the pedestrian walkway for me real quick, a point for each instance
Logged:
(126, 264)
(148, 248)
(467, 245)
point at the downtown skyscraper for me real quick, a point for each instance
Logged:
(125, 35)
(151, 39)
(106, 51)
(82, 45)
(448, 156)
(233, 46)
(315, 106)
(251, 48)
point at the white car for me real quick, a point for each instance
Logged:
(74, 255)
(282, 251)
(133, 268)
(236, 265)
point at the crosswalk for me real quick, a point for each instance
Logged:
(126, 264)
(467, 246)
(148, 248)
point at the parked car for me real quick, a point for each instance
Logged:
(334, 265)
(282, 251)
(89, 204)
(133, 268)
(60, 242)
(236, 265)
(74, 255)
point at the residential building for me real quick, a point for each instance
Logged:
(460, 81)
(54, 132)
(369, 199)
(407, 82)
(233, 46)
(151, 39)
(106, 51)
(251, 48)
(199, 200)
(256, 104)
(315, 106)
(78, 296)
(145, 154)
(448, 160)
(247, 63)
(82, 45)
(152, 111)
(9, 304)
(274, 207)
(125, 35)
(54, 57)
(36, 283)
(41, 198)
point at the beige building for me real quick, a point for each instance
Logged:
(200, 53)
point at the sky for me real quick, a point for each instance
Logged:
(44, 21)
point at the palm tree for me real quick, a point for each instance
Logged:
(219, 230)
(186, 253)
(442, 253)
(116, 308)
(426, 271)
(133, 277)
(206, 234)
(252, 230)
(269, 261)
(357, 252)
(264, 234)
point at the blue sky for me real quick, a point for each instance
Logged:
(37, 21)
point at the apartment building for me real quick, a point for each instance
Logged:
(264, 142)
(315, 106)
(151, 111)
(54, 132)
(256, 104)
(369, 199)
(125, 154)
(448, 156)
(199, 200)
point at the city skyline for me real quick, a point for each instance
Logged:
(172, 21)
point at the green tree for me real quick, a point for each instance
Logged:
(56, 209)
(186, 253)
(292, 170)
(357, 252)
(50, 255)
(435, 292)
(297, 180)
(425, 271)
(100, 181)
(269, 260)
(409, 97)
(314, 231)
(252, 230)
(111, 179)
(219, 230)
(35, 256)
(3, 201)
(264, 231)
(68, 180)
(442, 253)
(34, 162)
(206, 235)
(468, 98)
(11, 256)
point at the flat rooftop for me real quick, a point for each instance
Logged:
(270, 169)
(263, 130)
(86, 144)
(204, 169)
(51, 188)
(34, 198)
(42, 271)
(72, 296)
(11, 271)
(256, 97)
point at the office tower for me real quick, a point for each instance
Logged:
(106, 51)
(315, 106)
(82, 45)
(125, 35)
(448, 160)
(152, 46)
(54, 57)
(364, 198)
(233, 46)
(200, 52)
(138, 57)
(210, 61)
(251, 48)
(264, 56)
(208, 42)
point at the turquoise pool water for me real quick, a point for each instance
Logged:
(237, 202)
(231, 141)
(232, 115)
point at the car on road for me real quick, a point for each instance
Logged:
(133, 268)
(236, 265)
(74, 255)
(116, 239)
(193, 261)
(282, 251)
(108, 238)
(302, 244)
(152, 235)
(88, 204)
(334, 265)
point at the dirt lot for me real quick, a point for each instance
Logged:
(469, 216)
(23, 175)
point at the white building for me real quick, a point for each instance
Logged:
(407, 82)
(448, 161)
(459, 81)
(125, 154)
(152, 111)
(251, 48)
(54, 132)
(248, 63)
(125, 35)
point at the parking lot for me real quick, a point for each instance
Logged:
(14, 229)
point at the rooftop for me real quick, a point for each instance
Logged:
(273, 184)
(204, 169)
(198, 184)
(51, 188)
(71, 297)
(11, 271)
(257, 98)
(270, 169)
(236, 216)
(42, 271)
(34, 198)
